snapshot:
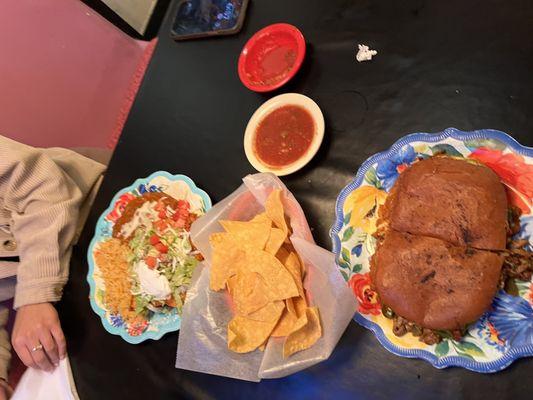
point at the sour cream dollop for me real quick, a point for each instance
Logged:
(152, 282)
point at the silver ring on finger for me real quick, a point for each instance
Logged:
(36, 348)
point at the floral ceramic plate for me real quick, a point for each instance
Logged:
(179, 187)
(503, 334)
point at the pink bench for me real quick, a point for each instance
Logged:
(68, 77)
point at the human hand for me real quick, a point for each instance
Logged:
(37, 336)
(5, 390)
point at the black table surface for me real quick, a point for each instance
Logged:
(465, 64)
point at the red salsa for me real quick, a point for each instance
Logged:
(283, 136)
(273, 66)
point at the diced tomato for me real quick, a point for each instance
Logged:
(162, 214)
(150, 261)
(181, 214)
(154, 239)
(160, 225)
(160, 247)
(183, 205)
(160, 206)
(180, 223)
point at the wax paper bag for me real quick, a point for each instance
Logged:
(202, 343)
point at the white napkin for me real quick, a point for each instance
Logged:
(39, 385)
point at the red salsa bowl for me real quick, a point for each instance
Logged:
(284, 134)
(271, 57)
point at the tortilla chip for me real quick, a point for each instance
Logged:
(278, 280)
(268, 313)
(295, 268)
(245, 335)
(274, 210)
(218, 238)
(262, 217)
(226, 260)
(290, 307)
(249, 292)
(231, 282)
(282, 254)
(285, 324)
(250, 235)
(300, 305)
(263, 274)
(307, 331)
(275, 240)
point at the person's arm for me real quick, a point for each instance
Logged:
(5, 348)
(5, 355)
(44, 205)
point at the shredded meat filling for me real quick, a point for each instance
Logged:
(513, 220)
(401, 326)
(517, 264)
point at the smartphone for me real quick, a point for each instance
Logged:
(201, 18)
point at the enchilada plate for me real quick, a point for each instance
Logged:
(157, 324)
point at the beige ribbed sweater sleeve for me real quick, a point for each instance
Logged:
(44, 204)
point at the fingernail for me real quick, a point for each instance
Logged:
(56, 364)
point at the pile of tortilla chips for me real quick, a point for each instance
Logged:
(255, 261)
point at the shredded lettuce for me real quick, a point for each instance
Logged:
(177, 266)
(141, 303)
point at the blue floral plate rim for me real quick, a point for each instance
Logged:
(511, 354)
(120, 331)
